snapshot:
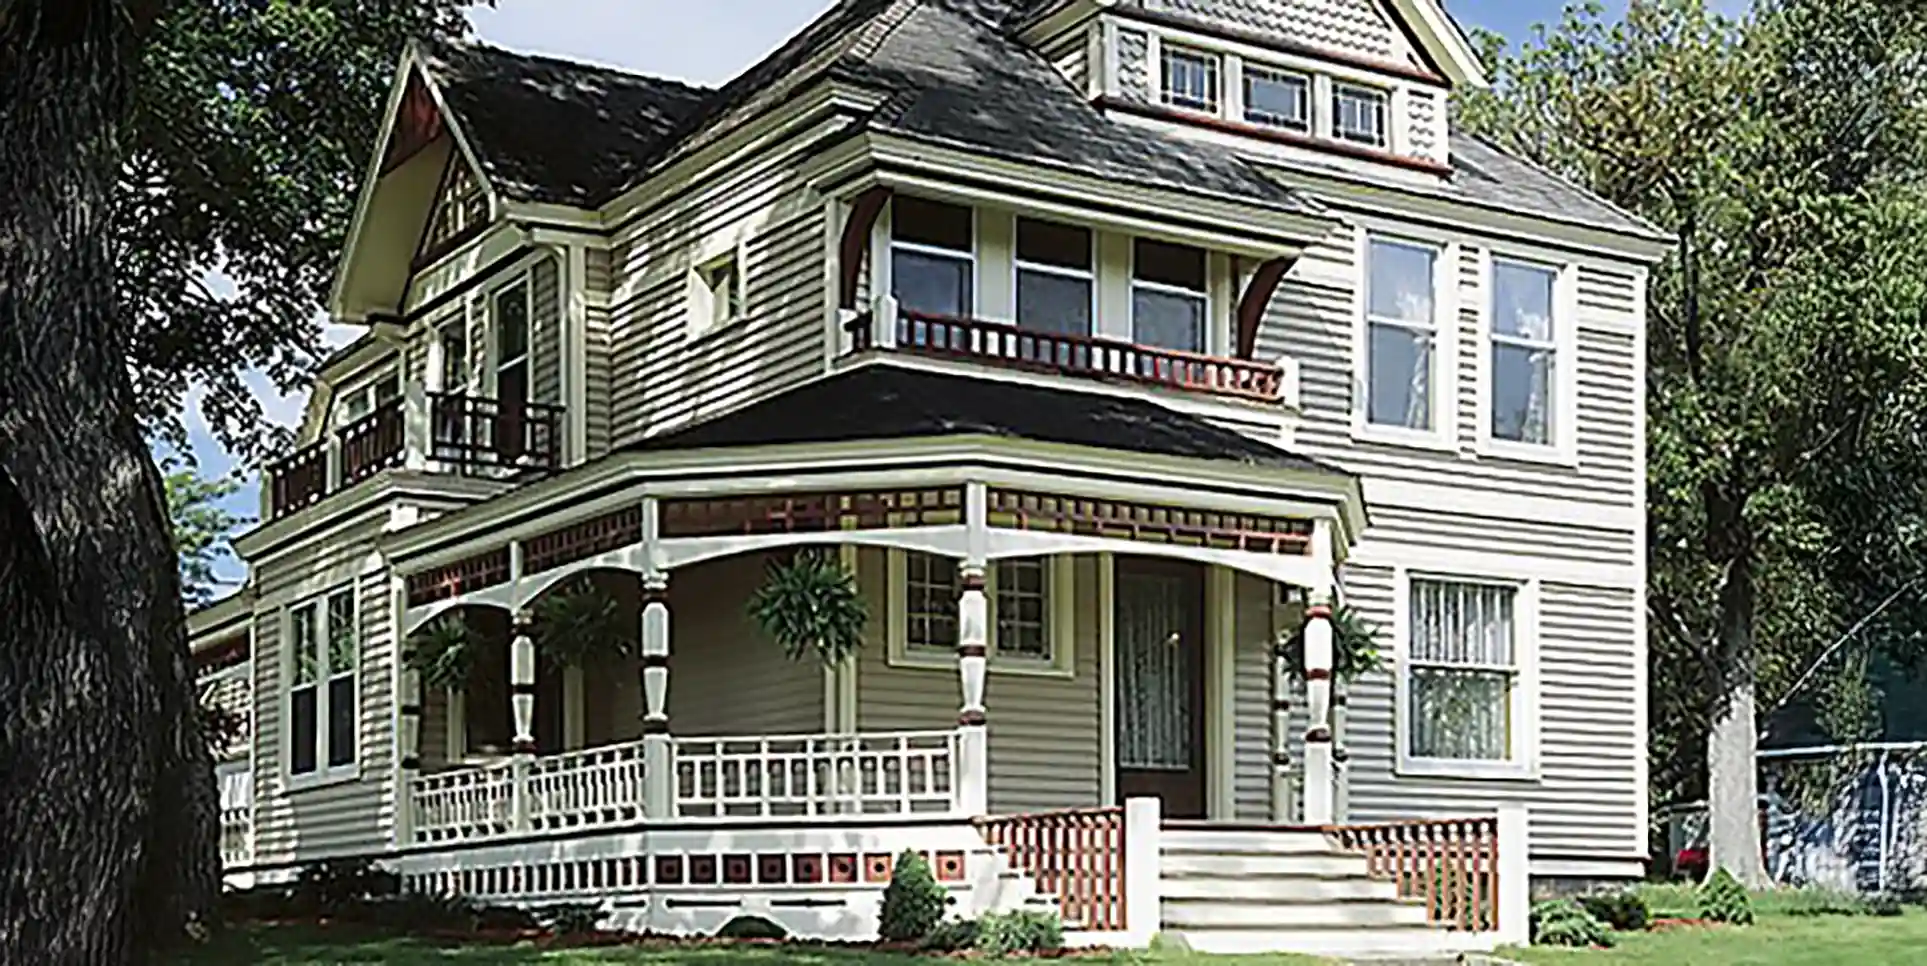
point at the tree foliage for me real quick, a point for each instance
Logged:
(249, 132)
(200, 525)
(1782, 158)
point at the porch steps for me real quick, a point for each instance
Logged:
(1229, 890)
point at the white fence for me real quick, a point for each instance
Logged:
(896, 773)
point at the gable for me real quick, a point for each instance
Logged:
(1354, 28)
(460, 210)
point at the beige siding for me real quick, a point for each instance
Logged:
(545, 330)
(596, 353)
(725, 677)
(1252, 619)
(1044, 731)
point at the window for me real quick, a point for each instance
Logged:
(722, 284)
(1055, 282)
(1524, 352)
(1190, 79)
(1024, 630)
(511, 315)
(1464, 672)
(1400, 334)
(324, 643)
(452, 341)
(1358, 115)
(1168, 301)
(356, 403)
(932, 265)
(1276, 98)
(460, 208)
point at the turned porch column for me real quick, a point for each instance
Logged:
(522, 698)
(972, 791)
(658, 753)
(408, 747)
(1282, 675)
(1320, 806)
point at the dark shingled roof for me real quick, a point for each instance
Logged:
(882, 401)
(1483, 174)
(554, 130)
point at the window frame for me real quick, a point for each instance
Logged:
(1210, 340)
(323, 772)
(1563, 450)
(1248, 67)
(1060, 622)
(1443, 434)
(456, 324)
(701, 319)
(1522, 761)
(972, 256)
(495, 363)
(1339, 88)
(365, 389)
(1218, 73)
(1091, 275)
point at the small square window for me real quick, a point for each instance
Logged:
(1023, 628)
(722, 292)
(1276, 98)
(1190, 79)
(1358, 115)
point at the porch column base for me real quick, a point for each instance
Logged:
(972, 793)
(1319, 805)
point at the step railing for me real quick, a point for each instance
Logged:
(1450, 865)
(237, 834)
(890, 773)
(1076, 856)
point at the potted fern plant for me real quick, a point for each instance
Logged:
(442, 652)
(579, 624)
(809, 602)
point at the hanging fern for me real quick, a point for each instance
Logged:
(811, 602)
(578, 625)
(442, 652)
(1354, 646)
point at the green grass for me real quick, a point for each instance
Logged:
(1777, 939)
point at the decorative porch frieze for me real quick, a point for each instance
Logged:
(1147, 523)
(812, 512)
(601, 534)
(486, 569)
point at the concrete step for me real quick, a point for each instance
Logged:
(1277, 888)
(1350, 942)
(1246, 841)
(1328, 864)
(1246, 914)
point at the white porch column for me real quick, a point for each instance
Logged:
(658, 752)
(972, 793)
(1281, 678)
(416, 444)
(1515, 875)
(1320, 806)
(408, 740)
(522, 697)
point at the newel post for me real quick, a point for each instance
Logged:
(883, 320)
(1515, 875)
(1320, 804)
(972, 792)
(658, 751)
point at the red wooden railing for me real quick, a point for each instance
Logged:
(300, 480)
(1452, 865)
(1075, 855)
(375, 442)
(1020, 348)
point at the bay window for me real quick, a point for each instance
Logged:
(1524, 353)
(1401, 334)
(324, 655)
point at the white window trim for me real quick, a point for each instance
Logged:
(1059, 571)
(1182, 48)
(323, 774)
(1523, 765)
(1090, 275)
(1564, 448)
(700, 321)
(1443, 435)
(1311, 93)
(492, 333)
(1386, 118)
(1216, 332)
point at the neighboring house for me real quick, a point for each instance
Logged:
(1109, 345)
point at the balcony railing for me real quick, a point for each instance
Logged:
(1010, 346)
(439, 432)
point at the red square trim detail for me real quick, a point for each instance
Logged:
(876, 868)
(949, 866)
(669, 870)
(843, 868)
(702, 870)
(806, 868)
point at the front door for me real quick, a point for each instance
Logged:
(1160, 684)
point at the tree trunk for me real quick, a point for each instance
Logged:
(1733, 777)
(108, 840)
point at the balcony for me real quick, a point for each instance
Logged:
(424, 431)
(1009, 346)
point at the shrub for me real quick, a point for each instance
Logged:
(571, 918)
(1723, 899)
(952, 935)
(1625, 911)
(1561, 922)
(1818, 901)
(338, 883)
(913, 902)
(752, 927)
(1020, 931)
(1885, 904)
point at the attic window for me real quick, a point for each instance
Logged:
(1277, 98)
(719, 293)
(1358, 115)
(1190, 78)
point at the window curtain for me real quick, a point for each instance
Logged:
(1462, 670)
(1153, 713)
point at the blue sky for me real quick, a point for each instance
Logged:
(704, 42)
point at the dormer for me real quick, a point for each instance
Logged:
(1358, 84)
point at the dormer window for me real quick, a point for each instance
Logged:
(1358, 115)
(1277, 98)
(933, 267)
(1190, 79)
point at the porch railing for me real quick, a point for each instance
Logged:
(584, 789)
(459, 806)
(298, 481)
(375, 442)
(1075, 855)
(1011, 346)
(1451, 865)
(237, 834)
(476, 432)
(897, 773)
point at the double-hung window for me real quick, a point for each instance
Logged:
(1023, 631)
(1464, 684)
(1358, 115)
(356, 403)
(1525, 352)
(1169, 305)
(324, 644)
(1277, 98)
(1190, 78)
(1056, 281)
(1401, 334)
(933, 265)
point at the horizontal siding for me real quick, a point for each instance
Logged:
(1252, 619)
(596, 354)
(545, 331)
(726, 677)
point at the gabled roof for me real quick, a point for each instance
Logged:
(552, 130)
(1485, 175)
(883, 402)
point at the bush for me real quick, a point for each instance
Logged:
(913, 903)
(571, 918)
(1885, 904)
(1561, 922)
(752, 927)
(1818, 901)
(1723, 899)
(951, 936)
(339, 883)
(1624, 911)
(1020, 931)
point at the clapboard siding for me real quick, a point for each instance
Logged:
(545, 330)
(1253, 618)
(1044, 737)
(664, 373)
(726, 677)
(596, 353)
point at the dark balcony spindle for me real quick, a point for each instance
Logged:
(473, 431)
(300, 480)
(375, 442)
